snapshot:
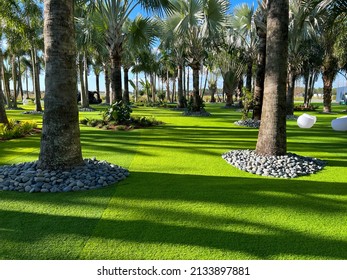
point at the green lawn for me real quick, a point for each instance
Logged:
(182, 200)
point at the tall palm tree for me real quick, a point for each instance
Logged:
(198, 22)
(260, 23)
(174, 45)
(140, 34)
(272, 132)
(3, 116)
(60, 141)
(244, 28)
(301, 30)
(109, 17)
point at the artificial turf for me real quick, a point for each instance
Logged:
(182, 200)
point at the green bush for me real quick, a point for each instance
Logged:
(118, 112)
(16, 129)
(306, 108)
(143, 121)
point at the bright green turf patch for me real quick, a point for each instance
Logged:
(182, 200)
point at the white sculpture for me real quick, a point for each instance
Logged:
(339, 124)
(306, 121)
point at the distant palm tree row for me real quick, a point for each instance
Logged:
(271, 47)
(194, 33)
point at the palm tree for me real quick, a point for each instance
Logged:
(174, 46)
(60, 141)
(244, 28)
(140, 34)
(3, 116)
(272, 132)
(199, 22)
(301, 30)
(260, 23)
(108, 18)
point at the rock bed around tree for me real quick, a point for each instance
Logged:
(248, 123)
(201, 113)
(33, 113)
(287, 166)
(27, 177)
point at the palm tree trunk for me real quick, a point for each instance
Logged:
(36, 88)
(167, 86)
(249, 75)
(205, 84)
(6, 87)
(83, 95)
(183, 82)
(151, 77)
(188, 93)
(60, 141)
(260, 76)
(137, 86)
(290, 93)
(180, 102)
(116, 76)
(27, 83)
(3, 77)
(14, 80)
(3, 116)
(107, 84)
(196, 96)
(327, 91)
(97, 83)
(126, 98)
(85, 79)
(20, 86)
(272, 132)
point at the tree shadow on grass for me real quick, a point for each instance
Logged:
(164, 209)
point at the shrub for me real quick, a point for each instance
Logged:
(143, 121)
(16, 129)
(118, 112)
(306, 107)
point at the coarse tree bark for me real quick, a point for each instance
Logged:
(260, 76)
(85, 79)
(329, 71)
(60, 140)
(3, 116)
(126, 98)
(272, 131)
(290, 93)
(249, 74)
(83, 95)
(107, 84)
(14, 80)
(197, 101)
(180, 100)
(167, 86)
(116, 75)
(36, 80)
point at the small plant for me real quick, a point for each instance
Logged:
(122, 127)
(309, 107)
(118, 112)
(247, 101)
(144, 121)
(16, 129)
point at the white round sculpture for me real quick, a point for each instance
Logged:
(339, 124)
(306, 121)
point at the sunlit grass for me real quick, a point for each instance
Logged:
(182, 201)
